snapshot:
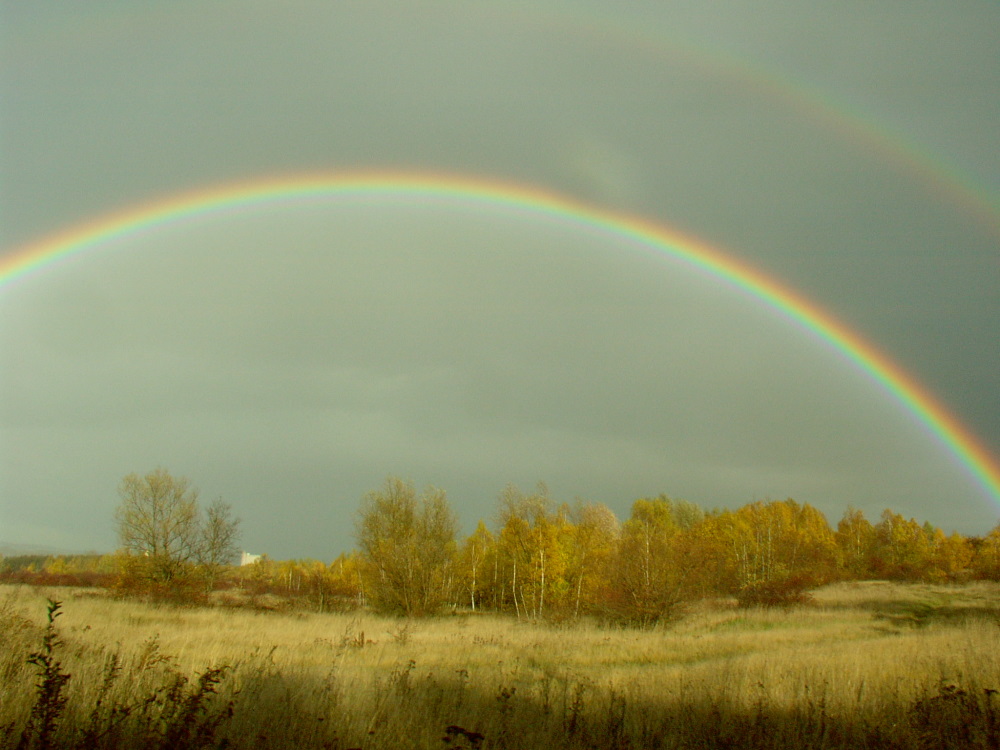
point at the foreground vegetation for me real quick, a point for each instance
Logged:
(864, 664)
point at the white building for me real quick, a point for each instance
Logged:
(247, 559)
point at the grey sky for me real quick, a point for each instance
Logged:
(288, 359)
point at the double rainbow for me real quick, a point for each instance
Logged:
(951, 433)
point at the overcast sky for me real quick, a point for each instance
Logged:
(291, 357)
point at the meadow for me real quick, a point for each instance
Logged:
(864, 664)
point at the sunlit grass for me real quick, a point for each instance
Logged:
(854, 664)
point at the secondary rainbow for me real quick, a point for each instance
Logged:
(951, 433)
(946, 182)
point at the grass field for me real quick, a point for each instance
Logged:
(867, 664)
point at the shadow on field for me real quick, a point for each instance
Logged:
(919, 605)
(408, 709)
(922, 614)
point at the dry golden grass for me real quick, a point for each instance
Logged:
(864, 665)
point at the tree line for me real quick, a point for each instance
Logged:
(544, 559)
(536, 559)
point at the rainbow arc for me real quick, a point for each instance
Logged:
(467, 191)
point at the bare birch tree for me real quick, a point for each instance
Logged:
(159, 519)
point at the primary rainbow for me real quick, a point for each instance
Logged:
(952, 434)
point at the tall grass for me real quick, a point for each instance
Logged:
(863, 665)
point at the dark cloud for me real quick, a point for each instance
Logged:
(290, 357)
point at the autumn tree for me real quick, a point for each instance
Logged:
(951, 557)
(531, 556)
(408, 546)
(219, 539)
(648, 574)
(594, 535)
(855, 537)
(478, 569)
(160, 521)
(341, 584)
(775, 551)
(985, 563)
(902, 548)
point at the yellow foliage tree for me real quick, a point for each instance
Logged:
(590, 547)
(477, 569)
(408, 545)
(649, 573)
(776, 550)
(531, 558)
(985, 563)
(855, 537)
(902, 548)
(951, 557)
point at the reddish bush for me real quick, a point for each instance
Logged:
(784, 592)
